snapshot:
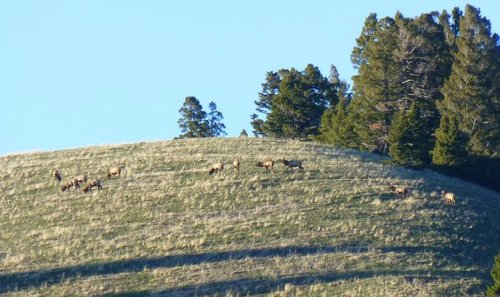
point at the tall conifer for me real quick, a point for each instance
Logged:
(470, 91)
(376, 84)
(450, 143)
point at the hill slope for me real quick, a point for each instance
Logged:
(167, 227)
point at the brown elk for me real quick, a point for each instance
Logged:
(449, 197)
(216, 168)
(114, 171)
(93, 183)
(81, 178)
(401, 192)
(70, 184)
(268, 165)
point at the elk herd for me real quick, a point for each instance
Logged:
(268, 165)
(448, 198)
(77, 181)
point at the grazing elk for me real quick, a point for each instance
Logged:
(70, 184)
(93, 183)
(236, 166)
(114, 171)
(216, 168)
(292, 163)
(57, 175)
(449, 198)
(268, 165)
(401, 192)
(81, 178)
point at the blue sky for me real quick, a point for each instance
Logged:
(79, 73)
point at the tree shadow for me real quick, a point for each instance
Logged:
(23, 280)
(247, 286)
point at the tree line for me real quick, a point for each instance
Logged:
(426, 93)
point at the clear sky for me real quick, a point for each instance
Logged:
(91, 72)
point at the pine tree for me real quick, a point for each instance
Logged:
(294, 108)
(243, 133)
(407, 144)
(494, 289)
(470, 91)
(335, 127)
(376, 86)
(425, 63)
(195, 123)
(270, 88)
(214, 121)
(450, 143)
(193, 119)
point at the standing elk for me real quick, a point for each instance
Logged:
(268, 165)
(449, 198)
(216, 168)
(114, 171)
(292, 163)
(93, 183)
(57, 175)
(236, 166)
(401, 192)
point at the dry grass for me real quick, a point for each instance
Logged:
(167, 227)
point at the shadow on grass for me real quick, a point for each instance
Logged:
(32, 279)
(247, 286)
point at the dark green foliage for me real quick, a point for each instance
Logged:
(194, 122)
(214, 121)
(293, 102)
(407, 145)
(335, 126)
(193, 119)
(376, 86)
(494, 289)
(472, 87)
(243, 133)
(450, 143)
(425, 63)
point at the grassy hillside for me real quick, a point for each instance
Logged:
(167, 228)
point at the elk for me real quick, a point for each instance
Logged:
(292, 163)
(114, 171)
(57, 175)
(449, 197)
(70, 184)
(268, 165)
(236, 165)
(93, 183)
(81, 178)
(216, 168)
(401, 192)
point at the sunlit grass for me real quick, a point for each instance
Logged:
(166, 226)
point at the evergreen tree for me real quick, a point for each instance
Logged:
(270, 88)
(407, 138)
(450, 143)
(214, 121)
(425, 63)
(335, 128)
(243, 133)
(494, 289)
(195, 123)
(376, 86)
(294, 108)
(193, 119)
(470, 91)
